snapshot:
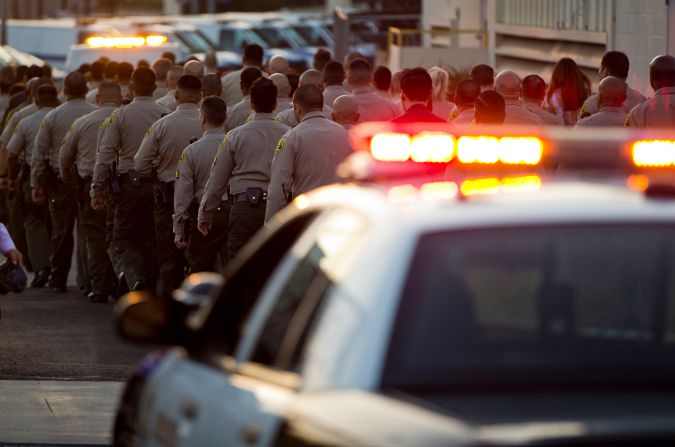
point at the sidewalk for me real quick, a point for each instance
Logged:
(57, 412)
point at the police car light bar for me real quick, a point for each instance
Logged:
(653, 153)
(125, 41)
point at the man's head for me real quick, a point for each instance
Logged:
(282, 84)
(188, 90)
(333, 73)
(248, 77)
(264, 96)
(124, 72)
(96, 71)
(194, 68)
(46, 96)
(307, 99)
(534, 89)
(109, 92)
(662, 72)
(345, 110)
(484, 75)
(110, 71)
(35, 72)
(143, 82)
(611, 92)
(212, 86)
(75, 85)
(351, 57)
(382, 79)
(175, 72)
(395, 89)
(321, 58)
(253, 55)
(278, 64)
(169, 55)
(35, 84)
(359, 74)
(614, 63)
(466, 93)
(161, 68)
(507, 84)
(312, 77)
(416, 88)
(143, 63)
(213, 112)
(490, 108)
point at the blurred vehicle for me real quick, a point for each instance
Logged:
(318, 31)
(12, 56)
(461, 287)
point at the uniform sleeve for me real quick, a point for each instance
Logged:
(281, 179)
(148, 152)
(219, 178)
(17, 142)
(108, 149)
(632, 120)
(184, 192)
(41, 150)
(6, 134)
(68, 151)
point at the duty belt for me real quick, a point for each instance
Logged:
(244, 197)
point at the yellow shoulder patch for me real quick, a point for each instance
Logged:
(280, 146)
(222, 144)
(149, 131)
(629, 121)
(42, 124)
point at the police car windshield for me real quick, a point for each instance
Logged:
(530, 305)
(197, 41)
(273, 37)
(311, 35)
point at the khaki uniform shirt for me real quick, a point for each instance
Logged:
(633, 98)
(23, 137)
(238, 113)
(91, 94)
(160, 92)
(373, 107)
(192, 173)
(168, 100)
(50, 137)
(606, 117)
(305, 158)
(121, 137)
(244, 161)
(547, 117)
(232, 93)
(657, 111)
(333, 92)
(166, 140)
(463, 117)
(283, 104)
(287, 117)
(14, 120)
(82, 141)
(517, 114)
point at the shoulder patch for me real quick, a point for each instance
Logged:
(42, 123)
(280, 146)
(222, 143)
(149, 131)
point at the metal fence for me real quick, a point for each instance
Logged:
(587, 15)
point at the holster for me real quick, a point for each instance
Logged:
(255, 195)
(163, 193)
(51, 177)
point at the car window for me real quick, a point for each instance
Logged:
(273, 37)
(227, 39)
(529, 304)
(297, 305)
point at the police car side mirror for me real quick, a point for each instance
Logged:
(143, 318)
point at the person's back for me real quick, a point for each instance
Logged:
(534, 92)
(253, 57)
(659, 110)
(372, 107)
(508, 84)
(466, 93)
(611, 96)
(490, 108)
(416, 98)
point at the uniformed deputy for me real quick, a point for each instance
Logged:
(161, 68)
(659, 110)
(345, 111)
(79, 149)
(134, 246)
(310, 77)
(534, 92)
(611, 97)
(36, 220)
(45, 176)
(333, 77)
(308, 155)
(253, 57)
(243, 163)
(169, 100)
(372, 107)
(466, 93)
(284, 101)
(163, 144)
(194, 168)
(239, 112)
(508, 84)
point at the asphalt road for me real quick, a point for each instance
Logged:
(61, 336)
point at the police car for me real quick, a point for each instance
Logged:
(461, 287)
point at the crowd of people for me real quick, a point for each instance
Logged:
(164, 168)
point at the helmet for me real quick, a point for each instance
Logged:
(12, 278)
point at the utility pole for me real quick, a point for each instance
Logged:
(3, 17)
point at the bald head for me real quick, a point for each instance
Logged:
(611, 92)
(307, 99)
(662, 72)
(507, 84)
(283, 86)
(109, 92)
(194, 68)
(312, 77)
(278, 64)
(345, 110)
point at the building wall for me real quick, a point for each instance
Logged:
(452, 14)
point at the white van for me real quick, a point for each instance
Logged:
(86, 54)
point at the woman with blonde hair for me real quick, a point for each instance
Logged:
(567, 91)
(439, 82)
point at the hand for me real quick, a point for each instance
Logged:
(204, 228)
(39, 195)
(15, 257)
(180, 241)
(99, 203)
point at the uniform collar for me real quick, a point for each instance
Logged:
(612, 109)
(665, 91)
(512, 102)
(213, 132)
(310, 115)
(531, 105)
(187, 106)
(263, 116)
(108, 104)
(362, 90)
(143, 99)
(76, 100)
(334, 87)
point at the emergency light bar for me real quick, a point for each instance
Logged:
(653, 153)
(125, 41)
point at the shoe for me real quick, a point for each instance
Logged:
(98, 297)
(139, 285)
(56, 287)
(41, 278)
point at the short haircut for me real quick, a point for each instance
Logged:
(75, 85)
(111, 69)
(109, 89)
(47, 71)
(96, 71)
(189, 83)
(46, 95)
(360, 71)
(534, 87)
(312, 77)
(264, 95)
(416, 84)
(351, 57)
(616, 63)
(249, 76)
(490, 108)
(161, 68)
(253, 53)
(214, 110)
(382, 78)
(144, 81)
(321, 58)
(124, 71)
(467, 92)
(309, 97)
(37, 82)
(17, 88)
(34, 71)
(84, 68)
(169, 55)
(212, 86)
(333, 73)
(483, 74)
